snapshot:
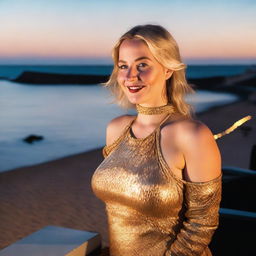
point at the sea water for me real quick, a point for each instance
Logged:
(72, 119)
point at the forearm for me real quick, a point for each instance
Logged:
(201, 218)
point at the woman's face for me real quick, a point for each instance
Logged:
(141, 77)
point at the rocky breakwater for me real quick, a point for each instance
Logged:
(243, 84)
(28, 77)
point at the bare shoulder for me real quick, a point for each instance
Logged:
(185, 130)
(193, 131)
(116, 127)
(198, 147)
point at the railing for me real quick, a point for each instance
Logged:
(230, 170)
(237, 214)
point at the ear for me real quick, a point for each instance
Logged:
(168, 73)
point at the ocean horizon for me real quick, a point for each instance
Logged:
(192, 71)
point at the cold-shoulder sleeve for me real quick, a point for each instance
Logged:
(202, 201)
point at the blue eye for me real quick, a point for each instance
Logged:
(122, 67)
(142, 65)
(139, 66)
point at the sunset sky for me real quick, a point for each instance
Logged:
(83, 32)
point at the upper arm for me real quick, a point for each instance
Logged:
(115, 128)
(201, 153)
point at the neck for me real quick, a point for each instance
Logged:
(150, 120)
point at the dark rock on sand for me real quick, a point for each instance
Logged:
(32, 138)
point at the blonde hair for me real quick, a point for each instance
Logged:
(165, 50)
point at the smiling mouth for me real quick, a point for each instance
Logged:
(134, 89)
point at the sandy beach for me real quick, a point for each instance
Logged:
(59, 192)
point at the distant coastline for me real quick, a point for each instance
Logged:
(29, 77)
(192, 71)
(241, 84)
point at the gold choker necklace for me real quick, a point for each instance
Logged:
(155, 110)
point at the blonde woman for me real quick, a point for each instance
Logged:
(161, 176)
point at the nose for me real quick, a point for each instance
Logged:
(132, 73)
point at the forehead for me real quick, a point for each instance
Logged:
(134, 48)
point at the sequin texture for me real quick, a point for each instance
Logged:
(151, 212)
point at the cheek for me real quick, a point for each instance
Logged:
(149, 75)
(120, 77)
(120, 80)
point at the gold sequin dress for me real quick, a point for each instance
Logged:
(152, 212)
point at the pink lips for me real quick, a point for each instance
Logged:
(135, 88)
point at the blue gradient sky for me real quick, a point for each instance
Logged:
(83, 32)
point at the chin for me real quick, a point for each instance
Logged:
(134, 100)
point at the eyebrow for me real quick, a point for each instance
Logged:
(140, 58)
